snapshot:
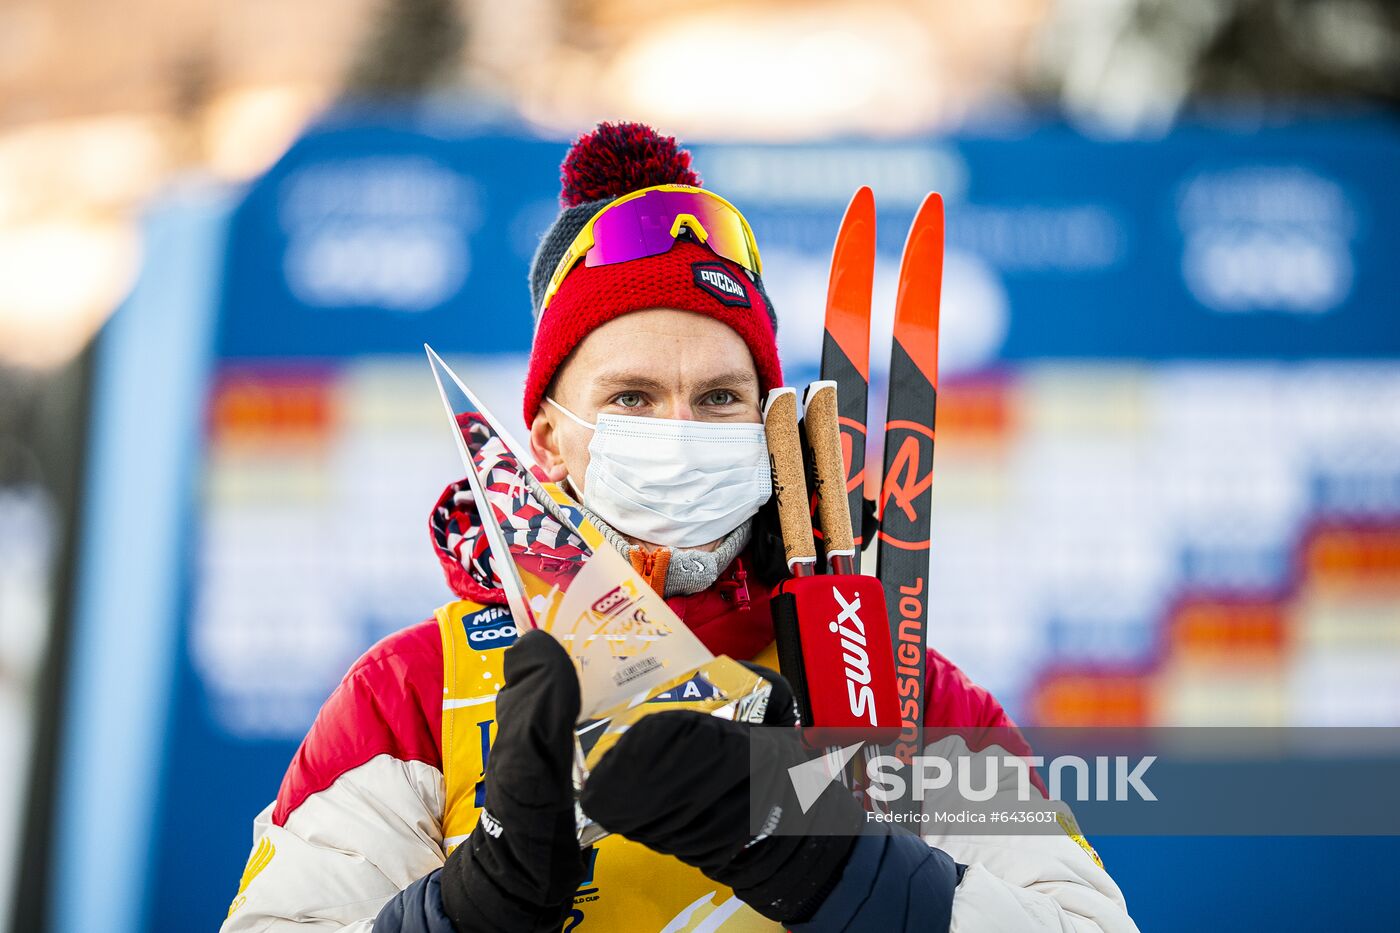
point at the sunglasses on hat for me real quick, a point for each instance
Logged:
(648, 222)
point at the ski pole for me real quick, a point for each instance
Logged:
(823, 426)
(789, 480)
(841, 668)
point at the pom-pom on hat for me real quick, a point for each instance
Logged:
(602, 166)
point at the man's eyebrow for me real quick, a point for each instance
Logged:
(730, 380)
(625, 380)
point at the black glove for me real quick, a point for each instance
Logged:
(679, 783)
(520, 867)
(782, 705)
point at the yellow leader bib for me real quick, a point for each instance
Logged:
(629, 887)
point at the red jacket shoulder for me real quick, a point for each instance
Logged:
(389, 702)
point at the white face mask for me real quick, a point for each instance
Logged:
(674, 483)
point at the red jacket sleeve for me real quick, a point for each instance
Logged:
(389, 702)
(954, 702)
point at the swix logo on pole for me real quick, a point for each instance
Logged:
(847, 664)
(851, 629)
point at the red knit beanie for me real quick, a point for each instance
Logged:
(617, 159)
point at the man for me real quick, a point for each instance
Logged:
(433, 791)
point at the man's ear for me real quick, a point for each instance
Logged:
(544, 444)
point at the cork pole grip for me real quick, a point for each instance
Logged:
(789, 480)
(824, 438)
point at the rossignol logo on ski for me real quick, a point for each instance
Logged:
(851, 630)
(905, 500)
(905, 492)
(715, 279)
(909, 642)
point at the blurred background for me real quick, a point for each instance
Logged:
(1168, 475)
